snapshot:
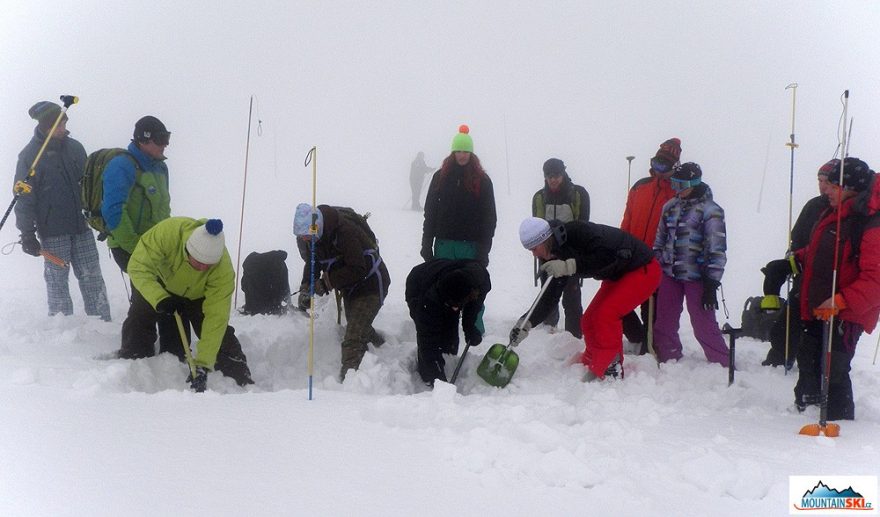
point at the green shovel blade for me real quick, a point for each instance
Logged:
(498, 365)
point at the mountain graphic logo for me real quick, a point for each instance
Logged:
(824, 497)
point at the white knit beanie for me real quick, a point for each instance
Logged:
(533, 231)
(206, 244)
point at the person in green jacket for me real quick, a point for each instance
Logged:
(181, 265)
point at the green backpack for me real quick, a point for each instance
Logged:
(92, 186)
(349, 214)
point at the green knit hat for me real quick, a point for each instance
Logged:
(463, 141)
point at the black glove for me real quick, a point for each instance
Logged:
(427, 253)
(304, 302)
(30, 244)
(171, 305)
(710, 298)
(199, 383)
(474, 338)
(322, 286)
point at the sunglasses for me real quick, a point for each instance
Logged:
(660, 166)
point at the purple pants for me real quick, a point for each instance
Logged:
(667, 344)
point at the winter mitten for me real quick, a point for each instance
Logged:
(199, 383)
(824, 312)
(30, 244)
(710, 297)
(322, 286)
(557, 268)
(427, 253)
(171, 305)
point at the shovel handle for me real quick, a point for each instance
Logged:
(460, 362)
(535, 303)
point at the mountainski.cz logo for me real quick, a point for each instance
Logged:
(830, 495)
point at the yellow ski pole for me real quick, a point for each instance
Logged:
(312, 157)
(185, 342)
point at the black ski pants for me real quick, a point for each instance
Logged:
(572, 304)
(139, 337)
(811, 360)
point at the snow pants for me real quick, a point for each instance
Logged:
(360, 311)
(667, 343)
(572, 304)
(81, 253)
(811, 360)
(139, 338)
(602, 323)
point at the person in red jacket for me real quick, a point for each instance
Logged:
(644, 204)
(855, 301)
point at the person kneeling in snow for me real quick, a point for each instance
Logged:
(346, 259)
(181, 266)
(437, 293)
(625, 265)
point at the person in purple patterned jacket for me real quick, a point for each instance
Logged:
(691, 246)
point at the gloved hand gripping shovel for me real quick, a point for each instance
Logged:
(500, 362)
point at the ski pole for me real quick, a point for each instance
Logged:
(247, 150)
(629, 165)
(792, 146)
(460, 362)
(823, 427)
(312, 157)
(24, 186)
(185, 342)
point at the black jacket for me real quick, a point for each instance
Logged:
(601, 252)
(454, 213)
(437, 324)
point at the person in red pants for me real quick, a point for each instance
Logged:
(626, 267)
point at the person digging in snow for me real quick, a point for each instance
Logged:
(346, 259)
(181, 266)
(628, 272)
(438, 293)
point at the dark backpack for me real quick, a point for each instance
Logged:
(360, 221)
(756, 322)
(92, 186)
(265, 283)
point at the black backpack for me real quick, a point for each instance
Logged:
(265, 283)
(756, 322)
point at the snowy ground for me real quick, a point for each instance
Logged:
(80, 436)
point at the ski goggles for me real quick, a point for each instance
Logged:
(161, 137)
(679, 185)
(661, 166)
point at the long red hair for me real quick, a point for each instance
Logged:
(473, 172)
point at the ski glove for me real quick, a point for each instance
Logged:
(171, 305)
(518, 334)
(473, 339)
(710, 298)
(199, 383)
(322, 286)
(30, 244)
(557, 268)
(427, 253)
(824, 312)
(304, 302)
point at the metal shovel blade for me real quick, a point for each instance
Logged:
(498, 365)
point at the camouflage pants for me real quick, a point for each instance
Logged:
(359, 315)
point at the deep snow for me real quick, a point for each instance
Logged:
(81, 436)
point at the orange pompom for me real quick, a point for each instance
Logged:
(464, 129)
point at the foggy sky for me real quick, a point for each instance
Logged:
(372, 83)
